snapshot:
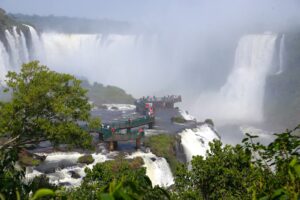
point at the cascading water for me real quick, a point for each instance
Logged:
(157, 168)
(281, 55)
(4, 62)
(104, 58)
(59, 167)
(241, 97)
(195, 141)
(37, 49)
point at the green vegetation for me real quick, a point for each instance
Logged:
(7, 23)
(27, 160)
(247, 171)
(116, 179)
(163, 145)
(100, 94)
(44, 110)
(86, 159)
(39, 110)
(49, 110)
(178, 119)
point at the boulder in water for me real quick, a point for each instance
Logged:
(153, 159)
(210, 122)
(86, 159)
(74, 174)
(65, 184)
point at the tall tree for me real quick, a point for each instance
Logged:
(45, 105)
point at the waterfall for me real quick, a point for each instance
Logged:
(105, 58)
(15, 59)
(59, 167)
(113, 59)
(4, 62)
(196, 141)
(37, 49)
(24, 49)
(281, 55)
(17, 45)
(157, 168)
(240, 99)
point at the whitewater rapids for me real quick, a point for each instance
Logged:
(60, 174)
(157, 168)
(196, 141)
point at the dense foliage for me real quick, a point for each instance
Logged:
(247, 171)
(116, 179)
(45, 105)
(100, 94)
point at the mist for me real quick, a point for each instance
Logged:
(173, 47)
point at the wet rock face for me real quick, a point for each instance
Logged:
(86, 159)
(179, 151)
(50, 167)
(7, 23)
(74, 174)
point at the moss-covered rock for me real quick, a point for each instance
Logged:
(210, 122)
(7, 23)
(86, 159)
(28, 159)
(164, 145)
(100, 94)
(178, 119)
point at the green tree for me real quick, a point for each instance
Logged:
(221, 175)
(45, 105)
(117, 179)
(245, 171)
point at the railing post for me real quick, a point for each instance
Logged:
(115, 143)
(138, 142)
(150, 125)
(111, 146)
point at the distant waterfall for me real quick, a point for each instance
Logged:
(37, 49)
(4, 62)
(241, 98)
(103, 58)
(281, 55)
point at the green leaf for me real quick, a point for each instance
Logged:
(106, 196)
(2, 196)
(245, 139)
(42, 193)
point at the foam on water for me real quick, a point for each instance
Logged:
(120, 107)
(64, 176)
(157, 168)
(195, 141)
(186, 115)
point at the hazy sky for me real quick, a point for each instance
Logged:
(157, 10)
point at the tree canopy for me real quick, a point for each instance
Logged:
(45, 105)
